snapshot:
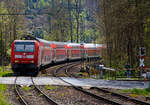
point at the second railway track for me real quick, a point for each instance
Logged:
(116, 97)
(105, 100)
(125, 100)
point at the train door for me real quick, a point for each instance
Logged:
(54, 55)
(51, 54)
(42, 54)
(82, 53)
(65, 53)
(70, 55)
(39, 56)
(86, 53)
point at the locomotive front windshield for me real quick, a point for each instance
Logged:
(24, 46)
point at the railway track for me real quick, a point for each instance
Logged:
(119, 97)
(17, 91)
(41, 93)
(108, 97)
(108, 101)
(127, 98)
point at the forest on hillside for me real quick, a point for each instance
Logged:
(55, 20)
(123, 25)
(126, 26)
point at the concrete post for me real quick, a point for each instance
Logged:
(148, 78)
(101, 71)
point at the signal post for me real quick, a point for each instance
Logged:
(141, 57)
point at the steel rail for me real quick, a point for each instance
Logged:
(83, 91)
(60, 67)
(66, 71)
(134, 80)
(51, 101)
(122, 96)
(22, 101)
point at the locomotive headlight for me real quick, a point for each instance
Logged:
(31, 61)
(16, 61)
(30, 56)
(18, 56)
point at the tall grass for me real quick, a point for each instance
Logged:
(3, 88)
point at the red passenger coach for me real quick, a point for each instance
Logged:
(90, 50)
(45, 52)
(100, 48)
(60, 51)
(74, 51)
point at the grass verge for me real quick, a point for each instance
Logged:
(136, 92)
(48, 87)
(3, 95)
(26, 88)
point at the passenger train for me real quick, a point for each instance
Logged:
(34, 53)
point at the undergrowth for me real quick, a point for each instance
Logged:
(4, 71)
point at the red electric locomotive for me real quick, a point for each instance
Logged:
(23, 54)
(30, 55)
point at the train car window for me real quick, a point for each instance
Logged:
(24, 46)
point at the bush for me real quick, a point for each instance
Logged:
(4, 71)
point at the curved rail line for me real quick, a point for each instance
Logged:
(82, 90)
(123, 96)
(51, 101)
(21, 99)
(115, 94)
(134, 80)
